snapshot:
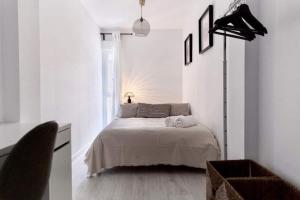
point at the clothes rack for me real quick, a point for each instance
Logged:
(234, 30)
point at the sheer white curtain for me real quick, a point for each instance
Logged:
(111, 77)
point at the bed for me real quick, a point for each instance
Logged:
(147, 142)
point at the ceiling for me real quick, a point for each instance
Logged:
(162, 14)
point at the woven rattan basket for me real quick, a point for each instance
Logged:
(246, 180)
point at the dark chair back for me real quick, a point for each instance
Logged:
(25, 174)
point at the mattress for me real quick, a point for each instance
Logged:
(147, 141)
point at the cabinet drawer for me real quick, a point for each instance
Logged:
(63, 137)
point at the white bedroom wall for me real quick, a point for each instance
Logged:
(236, 99)
(1, 68)
(29, 60)
(203, 81)
(70, 69)
(152, 66)
(19, 61)
(251, 91)
(279, 95)
(10, 61)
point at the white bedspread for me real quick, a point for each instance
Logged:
(145, 142)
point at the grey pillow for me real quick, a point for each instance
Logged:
(153, 110)
(128, 110)
(180, 109)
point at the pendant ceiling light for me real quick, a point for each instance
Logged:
(141, 27)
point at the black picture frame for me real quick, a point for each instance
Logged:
(206, 39)
(188, 50)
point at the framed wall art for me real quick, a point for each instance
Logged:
(188, 50)
(205, 24)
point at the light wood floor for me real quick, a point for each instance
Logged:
(142, 183)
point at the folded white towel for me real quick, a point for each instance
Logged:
(171, 121)
(181, 121)
(185, 122)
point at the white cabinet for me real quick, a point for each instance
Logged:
(60, 184)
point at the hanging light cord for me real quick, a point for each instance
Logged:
(142, 3)
(141, 11)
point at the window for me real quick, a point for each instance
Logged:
(108, 72)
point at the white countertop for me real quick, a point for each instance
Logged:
(11, 133)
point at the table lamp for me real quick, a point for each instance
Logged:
(129, 95)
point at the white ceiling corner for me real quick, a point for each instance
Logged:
(162, 14)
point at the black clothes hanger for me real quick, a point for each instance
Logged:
(246, 14)
(236, 25)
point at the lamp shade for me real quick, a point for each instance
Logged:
(141, 27)
(129, 94)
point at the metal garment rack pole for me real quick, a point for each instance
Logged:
(225, 99)
(232, 6)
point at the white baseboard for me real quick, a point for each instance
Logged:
(80, 152)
